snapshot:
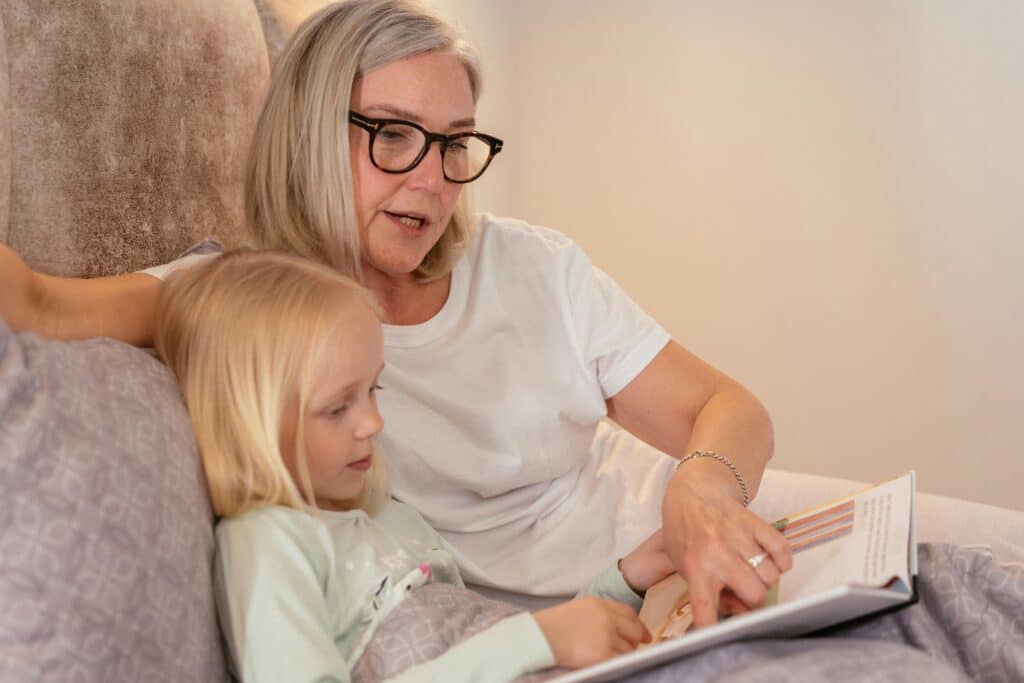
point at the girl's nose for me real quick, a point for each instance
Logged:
(370, 423)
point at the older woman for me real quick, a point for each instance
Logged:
(505, 347)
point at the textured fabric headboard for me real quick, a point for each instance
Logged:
(128, 125)
(282, 17)
(5, 143)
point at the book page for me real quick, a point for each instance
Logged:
(861, 540)
(666, 610)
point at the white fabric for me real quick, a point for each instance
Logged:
(491, 410)
(193, 256)
(162, 271)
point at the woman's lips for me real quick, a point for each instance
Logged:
(409, 223)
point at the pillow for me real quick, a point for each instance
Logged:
(106, 531)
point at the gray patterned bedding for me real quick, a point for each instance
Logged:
(967, 625)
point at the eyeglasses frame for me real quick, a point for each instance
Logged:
(373, 126)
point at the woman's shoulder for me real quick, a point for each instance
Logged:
(497, 235)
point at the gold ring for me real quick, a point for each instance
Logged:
(756, 560)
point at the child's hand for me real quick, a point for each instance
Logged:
(588, 630)
(647, 564)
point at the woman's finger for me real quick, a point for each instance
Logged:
(772, 540)
(768, 572)
(730, 604)
(704, 600)
(743, 580)
(762, 564)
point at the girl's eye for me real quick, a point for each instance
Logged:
(337, 412)
(375, 388)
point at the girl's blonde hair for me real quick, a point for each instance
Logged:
(244, 335)
(299, 193)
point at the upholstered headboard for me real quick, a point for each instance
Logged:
(5, 142)
(124, 125)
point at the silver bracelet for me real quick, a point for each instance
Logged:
(728, 463)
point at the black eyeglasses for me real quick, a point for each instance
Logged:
(397, 146)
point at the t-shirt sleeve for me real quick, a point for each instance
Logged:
(615, 338)
(193, 256)
(272, 603)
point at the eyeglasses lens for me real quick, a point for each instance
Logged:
(396, 146)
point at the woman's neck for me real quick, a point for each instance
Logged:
(406, 301)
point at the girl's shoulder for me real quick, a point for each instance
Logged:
(404, 520)
(394, 511)
(274, 524)
(281, 526)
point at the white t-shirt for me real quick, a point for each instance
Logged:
(491, 410)
(493, 414)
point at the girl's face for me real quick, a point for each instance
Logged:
(341, 418)
(401, 216)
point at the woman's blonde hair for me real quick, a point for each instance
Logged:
(299, 193)
(244, 335)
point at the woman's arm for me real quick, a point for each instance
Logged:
(679, 404)
(122, 306)
(18, 294)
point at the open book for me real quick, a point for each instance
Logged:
(851, 557)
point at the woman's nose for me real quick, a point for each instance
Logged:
(429, 173)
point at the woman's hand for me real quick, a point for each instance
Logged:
(647, 564)
(588, 630)
(680, 404)
(710, 537)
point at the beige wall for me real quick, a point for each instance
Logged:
(824, 199)
(491, 27)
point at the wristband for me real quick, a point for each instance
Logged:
(728, 463)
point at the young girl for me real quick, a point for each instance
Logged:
(278, 359)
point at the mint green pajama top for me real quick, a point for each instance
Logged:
(300, 595)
